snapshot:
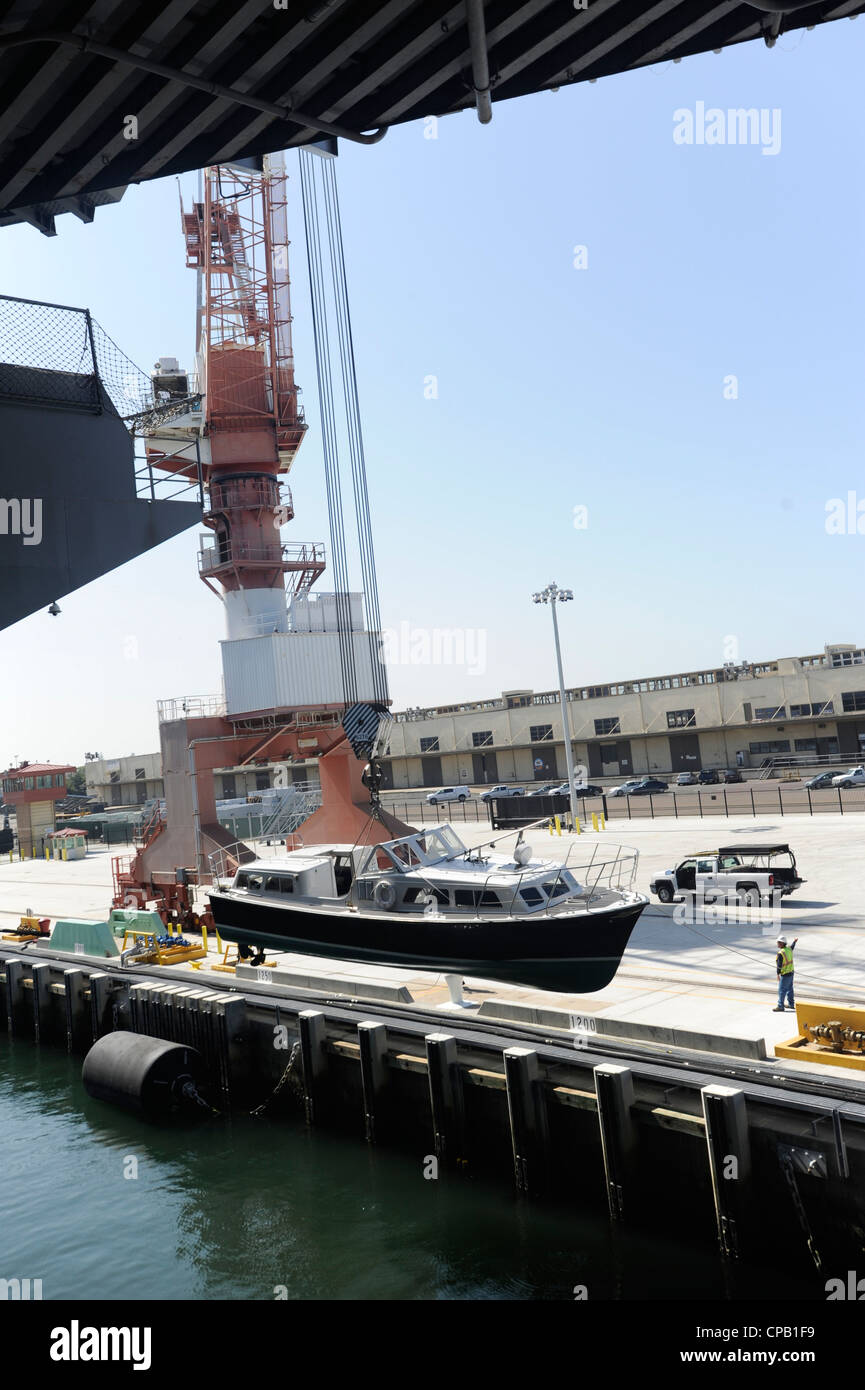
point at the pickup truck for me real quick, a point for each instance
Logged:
(753, 874)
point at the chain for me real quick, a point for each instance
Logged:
(790, 1175)
(293, 1055)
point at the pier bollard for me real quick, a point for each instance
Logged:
(594, 820)
(528, 1118)
(446, 1097)
(77, 1013)
(614, 1088)
(42, 1001)
(101, 1004)
(729, 1147)
(372, 1038)
(313, 1031)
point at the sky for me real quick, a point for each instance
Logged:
(587, 351)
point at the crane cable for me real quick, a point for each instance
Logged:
(333, 338)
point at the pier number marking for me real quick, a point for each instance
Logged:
(264, 977)
(583, 1023)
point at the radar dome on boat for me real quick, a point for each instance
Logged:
(522, 854)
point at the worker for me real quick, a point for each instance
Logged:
(784, 967)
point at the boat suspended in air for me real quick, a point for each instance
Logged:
(427, 902)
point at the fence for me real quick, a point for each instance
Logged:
(749, 800)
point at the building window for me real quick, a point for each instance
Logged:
(540, 733)
(778, 745)
(680, 718)
(811, 711)
(429, 745)
(771, 712)
(140, 774)
(114, 776)
(482, 738)
(853, 700)
(262, 781)
(606, 726)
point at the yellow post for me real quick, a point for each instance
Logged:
(218, 942)
(577, 826)
(204, 938)
(47, 854)
(65, 852)
(558, 826)
(594, 820)
(603, 822)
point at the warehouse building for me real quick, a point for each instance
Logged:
(811, 708)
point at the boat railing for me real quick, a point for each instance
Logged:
(597, 874)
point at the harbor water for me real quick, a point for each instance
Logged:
(100, 1205)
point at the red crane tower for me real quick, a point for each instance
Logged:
(238, 430)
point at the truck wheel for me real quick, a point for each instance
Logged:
(665, 893)
(750, 894)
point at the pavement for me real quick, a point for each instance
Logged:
(680, 975)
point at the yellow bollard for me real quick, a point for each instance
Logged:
(558, 826)
(47, 854)
(218, 942)
(594, 820)
(204, 938)
(603, 822)
(577, 826)
(65, 853)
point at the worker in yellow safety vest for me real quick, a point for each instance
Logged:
(784, 968)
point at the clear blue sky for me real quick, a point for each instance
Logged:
(557, 388)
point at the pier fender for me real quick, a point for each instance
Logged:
(148, 1076)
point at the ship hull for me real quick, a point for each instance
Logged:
(577, 952)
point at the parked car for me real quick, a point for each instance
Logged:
(758, 874)
(579, 790)
(624, 788)
(449, 794)
(548, 789)
(686, 779)
(733, 775)
(853, 777)
(648, 786)
(823, 779)
(708, 777)
(501, 791)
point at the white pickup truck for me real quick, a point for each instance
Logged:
(758, 875)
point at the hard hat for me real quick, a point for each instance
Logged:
(782, 941)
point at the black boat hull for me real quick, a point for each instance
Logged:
(574, 954)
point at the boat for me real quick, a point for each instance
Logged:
(427, 902)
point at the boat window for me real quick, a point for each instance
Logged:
(531, 895)
(273, 884)
(423, 893)
(254, 882)
(288, 885)
(472, 897)
(241, 881)
(555, 889)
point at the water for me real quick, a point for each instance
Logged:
(256, 1209)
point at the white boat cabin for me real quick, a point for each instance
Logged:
(431, 871)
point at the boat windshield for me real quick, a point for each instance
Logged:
(414, 851)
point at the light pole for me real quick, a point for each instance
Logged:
(552, 595)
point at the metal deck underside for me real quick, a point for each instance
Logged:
(357, 66)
